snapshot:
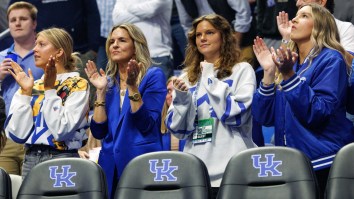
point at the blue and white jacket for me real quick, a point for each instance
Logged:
(308, 110)
(228, 102)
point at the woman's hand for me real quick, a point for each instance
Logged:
(84, 155)
(26, 82)
(284, 25)
(133, 71)
(50, 74)
(285, 60)
(180, 85)
(99, 80)
(264, 56)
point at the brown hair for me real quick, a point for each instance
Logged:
(230, 53)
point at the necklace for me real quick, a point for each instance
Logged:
(122, 92)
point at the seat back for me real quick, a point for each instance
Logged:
(340, 183)
(166, 174)
(5, 185)
(69, 178)
(267, 173)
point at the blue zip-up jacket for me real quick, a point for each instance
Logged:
(308, 110)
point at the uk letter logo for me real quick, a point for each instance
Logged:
(62, 179)
(268, 167)
(163, 171)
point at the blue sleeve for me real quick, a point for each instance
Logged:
(99, 130)
(153, 96)
(263, 105)
(313, 101)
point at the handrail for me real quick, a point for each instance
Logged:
(4, 34)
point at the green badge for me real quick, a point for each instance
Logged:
(204, 131)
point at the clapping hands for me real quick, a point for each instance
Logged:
(25, 82)
(99, 80)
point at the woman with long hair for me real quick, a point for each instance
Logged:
(129, 99)
(304, 89)
(211, 105)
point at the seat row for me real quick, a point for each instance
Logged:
(265, 172)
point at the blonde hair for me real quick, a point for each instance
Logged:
(324, 34)
(165, 109)
(23, 5)
(142, 54)
(61, 39)
(230, 53)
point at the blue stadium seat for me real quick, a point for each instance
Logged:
(64, 178)
(267, 173)
(5, 185)
(167, 174)
(340, 184)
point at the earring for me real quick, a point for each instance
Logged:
(56, 59)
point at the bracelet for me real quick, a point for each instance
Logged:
(267, 85)
(97, 104)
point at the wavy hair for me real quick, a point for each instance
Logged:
(142, 54)
(61, 39)
(229, 52)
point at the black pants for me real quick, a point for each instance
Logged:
(322, 176)
(214, 192)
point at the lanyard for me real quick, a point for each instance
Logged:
(195, 98)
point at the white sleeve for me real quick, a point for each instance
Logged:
(243, 17)
(120, 14)
(149, 8)
(19, 123)
(346, 33)
(124, 12)
(231, 103)
(62, 120)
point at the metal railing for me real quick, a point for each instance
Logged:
(4, 34)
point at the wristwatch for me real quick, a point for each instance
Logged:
(284, 41)
(135, 97)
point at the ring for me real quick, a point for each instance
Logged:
(280, 61)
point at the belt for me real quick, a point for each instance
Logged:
(46, 149)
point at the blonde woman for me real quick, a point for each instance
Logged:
(53, 110)
(303, 92)
(130, 96)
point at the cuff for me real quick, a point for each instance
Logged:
(291, 83)
(266, 90)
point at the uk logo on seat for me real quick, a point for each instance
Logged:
(268, 167)
(164, 171)
(62, 179)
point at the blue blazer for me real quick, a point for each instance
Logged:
(127, 135)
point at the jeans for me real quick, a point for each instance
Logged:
(34, 157)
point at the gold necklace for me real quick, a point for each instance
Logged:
(122, 92)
